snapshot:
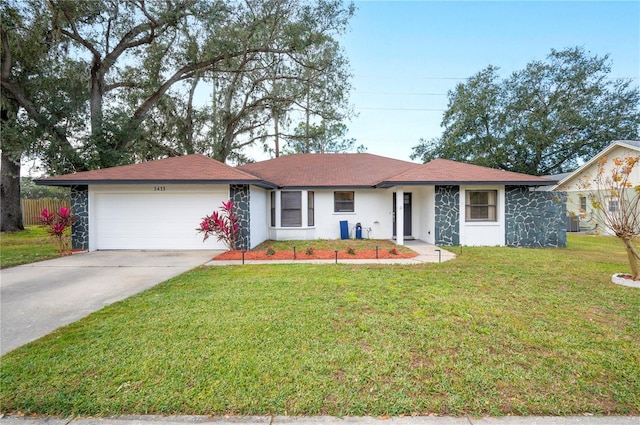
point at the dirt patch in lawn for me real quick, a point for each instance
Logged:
(317, 255)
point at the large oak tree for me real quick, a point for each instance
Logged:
(136, 67)
(540, 120)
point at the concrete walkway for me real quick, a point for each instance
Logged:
(427, 253)
(326, 420)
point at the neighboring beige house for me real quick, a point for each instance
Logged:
(579, 184)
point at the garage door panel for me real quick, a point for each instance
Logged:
(153, 220)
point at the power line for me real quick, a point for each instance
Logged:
(400, 109)
(399, 93)
(410, 77)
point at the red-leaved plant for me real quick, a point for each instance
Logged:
(224, 224)
(58, 222)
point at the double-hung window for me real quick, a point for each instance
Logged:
(583, 204)
(343, 202)
(291, 209)
(481, 205)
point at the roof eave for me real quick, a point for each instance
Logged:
(68, 183)
(327, 187)
(596, 157)
(388, 184)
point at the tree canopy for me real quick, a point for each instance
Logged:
(540, 120)
(96, 84)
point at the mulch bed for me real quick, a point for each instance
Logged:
(317, 255)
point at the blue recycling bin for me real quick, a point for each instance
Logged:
(344, 230)
(358, 231)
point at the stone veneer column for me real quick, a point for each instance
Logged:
(240, 195)
(80, 210)
(535, 219)
(447, 215)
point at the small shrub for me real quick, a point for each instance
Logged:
(351, 250)
(271, 251)
(393, 251)
(310, 251)
(58, 222)
(225, 225)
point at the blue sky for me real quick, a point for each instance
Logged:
(406, 55)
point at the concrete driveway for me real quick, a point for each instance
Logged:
(37, 298)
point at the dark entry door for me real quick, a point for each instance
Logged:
(407, 214)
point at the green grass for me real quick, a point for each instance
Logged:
(498, 331)
(27, 246)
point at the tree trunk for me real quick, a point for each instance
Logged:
(307, 143)
(277, 133)
(632, 255)
(11, 213)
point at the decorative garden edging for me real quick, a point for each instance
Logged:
(619, 279)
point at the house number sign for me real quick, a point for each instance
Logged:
(159, 188)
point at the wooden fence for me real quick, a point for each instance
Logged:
(31, 209)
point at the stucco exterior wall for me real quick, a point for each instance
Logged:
(259, 211)
(424, 213)
(372, 209)
(482, 233)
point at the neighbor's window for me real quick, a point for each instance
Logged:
(343, 202)
(614, 205)
(583, 204)
(481, 205)
(291, 213)
(273, 209)
(310, 209)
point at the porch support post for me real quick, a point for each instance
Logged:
(399, 217)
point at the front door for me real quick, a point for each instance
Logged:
(407, 214)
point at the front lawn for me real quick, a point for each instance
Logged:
(27, 246)
(497, 331)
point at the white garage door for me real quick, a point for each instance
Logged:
(156, 220)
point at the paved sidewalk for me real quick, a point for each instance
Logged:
(427, 253)
(327, 420)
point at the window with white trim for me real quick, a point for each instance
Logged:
(344, 201)
(291, 209)
(481, 205)
(614, 205)
(583, 204)
(310, 209)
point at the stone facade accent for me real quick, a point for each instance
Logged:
(447, 215)
(535, 219)
(80, 210)
(240, 195)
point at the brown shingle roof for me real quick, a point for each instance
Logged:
(328, 170)
(302, 170)
(194, 168)
(443, 171)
